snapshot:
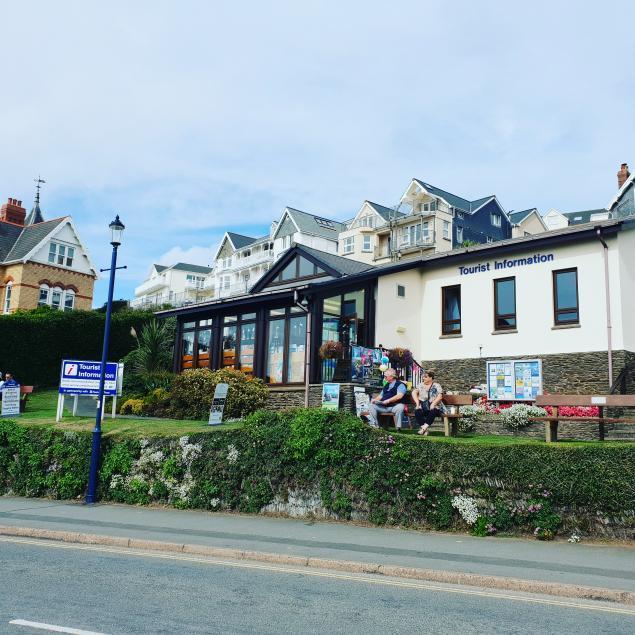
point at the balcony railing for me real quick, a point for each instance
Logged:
(185, 298)
(154, 284)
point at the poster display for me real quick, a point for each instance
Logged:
(514, 380)
(218, 405)
(10, 401)
(331, 396)
(362, 400)
(365, 364)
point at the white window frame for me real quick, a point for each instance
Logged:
(7, 297)
(60, 292)
(459, 235)
(425, 231)
(495, 219)
(46, 301)
(446, 229)
(367, 243)
(349, 245)
(69, 294)
(60, 254)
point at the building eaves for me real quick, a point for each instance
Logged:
(184, 266)
(518, 217)
(308, 224)
(344, 266)
(629, 181)
(387, 213)
(452, 199)
(239, 241)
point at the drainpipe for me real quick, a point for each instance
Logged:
(304, 305)
(608, 304)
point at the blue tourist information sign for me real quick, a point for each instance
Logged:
(82, 378)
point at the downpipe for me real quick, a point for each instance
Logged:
(609, 327)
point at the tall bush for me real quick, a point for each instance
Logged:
(193, 391)
(34, 343)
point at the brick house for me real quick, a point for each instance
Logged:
(42, 262)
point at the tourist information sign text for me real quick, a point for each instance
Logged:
(80, 377)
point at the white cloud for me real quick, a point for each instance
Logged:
(191, 255)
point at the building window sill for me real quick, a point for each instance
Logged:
(505, 332)
(450, 336)
(559, 327)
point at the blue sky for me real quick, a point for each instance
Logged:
(191, 118)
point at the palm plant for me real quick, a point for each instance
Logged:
(154, 347)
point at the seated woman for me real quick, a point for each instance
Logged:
(428, 398)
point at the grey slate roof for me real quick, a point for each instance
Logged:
(184, 266)
(519, 217)
(160, 268)
(576, 218)
(474, 205)
(28, 238)
(385, 212)
(344, 266)
(308, 223)
(452, 199)
(239, 240)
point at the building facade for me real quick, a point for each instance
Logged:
(42, 262)
(544, 296)
(177, 285)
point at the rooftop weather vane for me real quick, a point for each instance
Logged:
(37, 188)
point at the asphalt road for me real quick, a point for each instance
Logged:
(119, 591)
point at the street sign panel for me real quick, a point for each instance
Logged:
(81, 377)
(10, 401)
(218, 404)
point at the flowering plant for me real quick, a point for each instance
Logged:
(400, 357)
(575, 411)
(518, 415)
(470, 415)
(466, 507)
(331, 350)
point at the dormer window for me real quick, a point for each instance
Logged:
(61, 255)
(430, 207)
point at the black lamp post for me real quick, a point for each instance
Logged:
(116, 229)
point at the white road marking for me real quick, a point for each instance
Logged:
(53, 628)
(620, 609)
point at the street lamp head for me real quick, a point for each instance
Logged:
(116, 231)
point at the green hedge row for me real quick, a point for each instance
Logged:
(35, 342)
(357, 472)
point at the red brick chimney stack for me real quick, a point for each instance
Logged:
(13, 212)
(622, 175)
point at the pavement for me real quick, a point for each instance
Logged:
(589, 571)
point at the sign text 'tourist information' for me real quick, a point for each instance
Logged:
(82, 378)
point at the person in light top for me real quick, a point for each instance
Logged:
(428, 398)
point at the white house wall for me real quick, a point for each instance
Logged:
(65, 236)
(420, 312)
(626, 289)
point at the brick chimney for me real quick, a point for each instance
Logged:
(622, 175)
(13, 212)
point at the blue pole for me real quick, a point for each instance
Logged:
(91, 495)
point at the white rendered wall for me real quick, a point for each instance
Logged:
(65, 236)
(626, 288)
(421, 314)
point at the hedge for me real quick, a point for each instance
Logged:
(354, 472)
(35, 342)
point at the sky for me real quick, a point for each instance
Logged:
(192, 118)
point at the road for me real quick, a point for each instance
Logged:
(117, 591)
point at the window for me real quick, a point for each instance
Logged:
(56, 298)
(44, 295)
(446, 229)
(565, 297)
(430, 207)
(69, 300)
(238, 343)
(286, 345)
(298, 268)
(196, 281)
(61, 254)
(401, 291)
(7, 297)
(451, 310)
(286, 242)
(459, 235)
(495, 219)
(225, 282)
(504, 304)
(325, 222)
(349, 244)
(411, 235)
(490, 239)
(196, 344)
(367, 242)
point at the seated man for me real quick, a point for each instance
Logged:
(8, 381)
(389, 400)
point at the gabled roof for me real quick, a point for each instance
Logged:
(451, 199)
(35, 215)
(479, 202)
(518, 217)
(30, 237)
(576, 218)
(331, 264)
(9, 233)
(387, 213)
(160, 268)
(184, 266)
(314, 225)
(238, 240)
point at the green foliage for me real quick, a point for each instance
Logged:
(354, 471)
(153, 353)
(193, 391)
(132, 407)
(35, 342)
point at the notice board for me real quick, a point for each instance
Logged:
(514, 380)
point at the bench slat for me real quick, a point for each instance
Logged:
(586, 400)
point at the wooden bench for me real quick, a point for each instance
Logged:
(451, 420)
(599, 401)
(25, 391)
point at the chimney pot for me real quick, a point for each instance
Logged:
(19, 203)
(622, 175)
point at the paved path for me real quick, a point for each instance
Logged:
(554, 562)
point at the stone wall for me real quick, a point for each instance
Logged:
(568, 373)
(293, 397)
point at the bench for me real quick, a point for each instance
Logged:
(451, 420)
(599, 401)
(25, 391)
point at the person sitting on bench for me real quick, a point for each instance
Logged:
(8, 381)
(389, 400)
(428, 398)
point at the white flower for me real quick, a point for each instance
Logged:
(215, 502)
(116, 481)
(467, 508)
(232, 453)
(519, 414)
(573, 538)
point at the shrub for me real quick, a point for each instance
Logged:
(193, 391)
(519, 414)
(132, 407)
(157, 403)
(470, 415)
